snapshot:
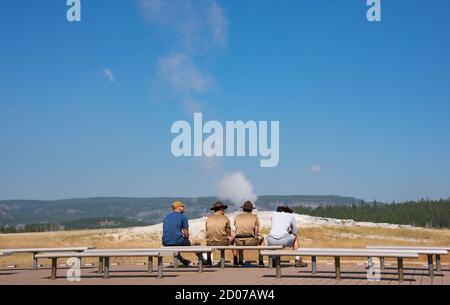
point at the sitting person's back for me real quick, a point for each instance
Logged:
(218, 228)
(176, 229)
(284, 232)
(173, 225)
(283, 225)
(247, 231)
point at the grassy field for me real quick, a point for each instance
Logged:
(352, 237)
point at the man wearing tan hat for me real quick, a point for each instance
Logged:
(176, 229)
(247, 230)
(218, 229)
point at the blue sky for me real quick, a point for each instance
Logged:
(86, 108)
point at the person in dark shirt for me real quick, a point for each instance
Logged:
(176, 229)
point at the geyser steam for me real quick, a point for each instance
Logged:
(236, 188)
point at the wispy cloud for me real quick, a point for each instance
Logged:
(316, 168)
(180, 73)
(109, 75)
(197, 29)
(194, 25)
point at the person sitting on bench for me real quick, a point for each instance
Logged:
(218, 229)
(176, 230)
(247, 231)
(284, 232)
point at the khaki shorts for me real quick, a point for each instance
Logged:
(250, 241)
(217, 243)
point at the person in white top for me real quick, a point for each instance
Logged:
(284, 232)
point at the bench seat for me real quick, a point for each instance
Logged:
(428, 251)
(337, 254)
(105, 259)
(35, 251)
(173, 250)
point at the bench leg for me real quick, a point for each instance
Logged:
(54, 268)
(35, 262)
(337, 266)
(106, 276)
(271, 262)
(382, 263)
(175, 261)
(260, 259)
(222, 259)
(101, 264)
(430, 266)
(369, 263)
(278, 267)
(401, 276)
(150, 264)
(160, 267)
(200, 262)
(314, 264)
(438, 264)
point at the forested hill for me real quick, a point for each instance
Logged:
(142, 210)
(423, 213)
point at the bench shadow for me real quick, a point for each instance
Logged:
(332, 277)
(5, 274)
(194, 270)
(361, 272)
(114, 277)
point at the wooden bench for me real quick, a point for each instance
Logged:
(428, 251)
(337, 254)
(222, 250)
(172, 250)
(35, 251)
(105, 255)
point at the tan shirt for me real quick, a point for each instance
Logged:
(245, 224)
(216, 228)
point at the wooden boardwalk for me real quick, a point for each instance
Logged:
(353, 274)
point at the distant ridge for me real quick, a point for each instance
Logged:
(144, 210)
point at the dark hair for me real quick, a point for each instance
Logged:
(284, 209)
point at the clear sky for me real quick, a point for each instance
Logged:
(86, 107)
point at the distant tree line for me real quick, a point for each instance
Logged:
(80, 224)
(32, 228)
(422, 213)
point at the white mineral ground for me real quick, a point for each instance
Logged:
(197, 226)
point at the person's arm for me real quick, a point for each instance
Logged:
(257, 227)
(228, 229)
(186, 233)
(185, 227)
(294, 226)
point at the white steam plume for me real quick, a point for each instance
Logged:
(236, 188)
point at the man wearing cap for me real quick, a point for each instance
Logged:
(247, 231)
(218, 229)
(176, 229)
